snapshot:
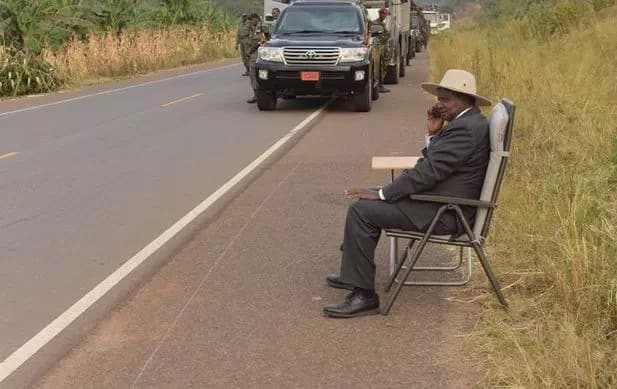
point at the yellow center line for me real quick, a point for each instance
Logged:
(181, 100)
(9, 155)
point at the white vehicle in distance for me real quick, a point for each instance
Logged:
(444, 22)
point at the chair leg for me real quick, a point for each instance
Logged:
(393, 253)
(413, 258)
(489, 273)
(408, 253)
(482, 257)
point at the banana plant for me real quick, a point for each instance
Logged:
(28, 26)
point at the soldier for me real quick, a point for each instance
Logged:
(425, 30)
(256, 39)
(242, 36)
(275, 14)
(386, 53)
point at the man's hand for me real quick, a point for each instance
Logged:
(364, 194)
(434, 120)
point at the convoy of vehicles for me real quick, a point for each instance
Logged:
(398, 25)
(328, 48)
(320, 48)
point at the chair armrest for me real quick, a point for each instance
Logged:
(393, 163)
(453, 200)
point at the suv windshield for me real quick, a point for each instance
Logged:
(326, 20)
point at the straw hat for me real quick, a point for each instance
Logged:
(458, 81)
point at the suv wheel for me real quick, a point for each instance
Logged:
(362, 101)
(266, 100)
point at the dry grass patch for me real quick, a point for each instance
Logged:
(555, 234)
(135, 52)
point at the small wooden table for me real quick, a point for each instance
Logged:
(393, 163)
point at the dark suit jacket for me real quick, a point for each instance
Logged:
(454, 164)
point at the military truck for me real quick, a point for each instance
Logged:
(398, 25)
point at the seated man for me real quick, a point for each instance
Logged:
(454, 164)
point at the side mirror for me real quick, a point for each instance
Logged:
(377, 30)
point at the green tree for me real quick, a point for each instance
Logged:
(28, 26)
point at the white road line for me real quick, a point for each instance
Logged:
(115, 90)
(188, 302)
(9, 155)
(182, 99)
(28, 349)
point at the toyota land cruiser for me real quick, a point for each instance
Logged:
(320, 48)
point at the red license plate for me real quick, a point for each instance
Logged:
(309, 76)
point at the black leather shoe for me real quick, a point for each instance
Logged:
(336, 282)
(383, 89)
(245, 73)
(252, 100)
(355, 304)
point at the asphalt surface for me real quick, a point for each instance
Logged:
(85, 184)
(240, 305)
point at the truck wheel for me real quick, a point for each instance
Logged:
(392, 73)
(266, 100)
(411, 52)
(362, 101)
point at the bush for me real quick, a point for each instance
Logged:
(22, 75)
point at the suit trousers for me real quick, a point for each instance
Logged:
(363, 225)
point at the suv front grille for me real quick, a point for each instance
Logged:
(311, 55)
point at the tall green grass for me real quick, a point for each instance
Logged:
(86, 39)
(555, 236)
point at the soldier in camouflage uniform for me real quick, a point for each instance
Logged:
(256, 39)
(425, 30)
(242, 37)
(386, 53)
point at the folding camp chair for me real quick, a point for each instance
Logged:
(501, 123)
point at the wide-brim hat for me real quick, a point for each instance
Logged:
(459, 81)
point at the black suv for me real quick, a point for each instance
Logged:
(320, 48)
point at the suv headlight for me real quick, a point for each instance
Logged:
(272, 54)
(354, 54)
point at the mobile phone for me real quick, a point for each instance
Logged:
(437, 112)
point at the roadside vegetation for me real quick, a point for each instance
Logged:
(45, 44)
(555, 237)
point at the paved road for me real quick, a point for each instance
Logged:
(240, 305)
(87, 183)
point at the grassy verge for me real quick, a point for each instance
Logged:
(555, 237)
(137, 52)
(46, 44)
